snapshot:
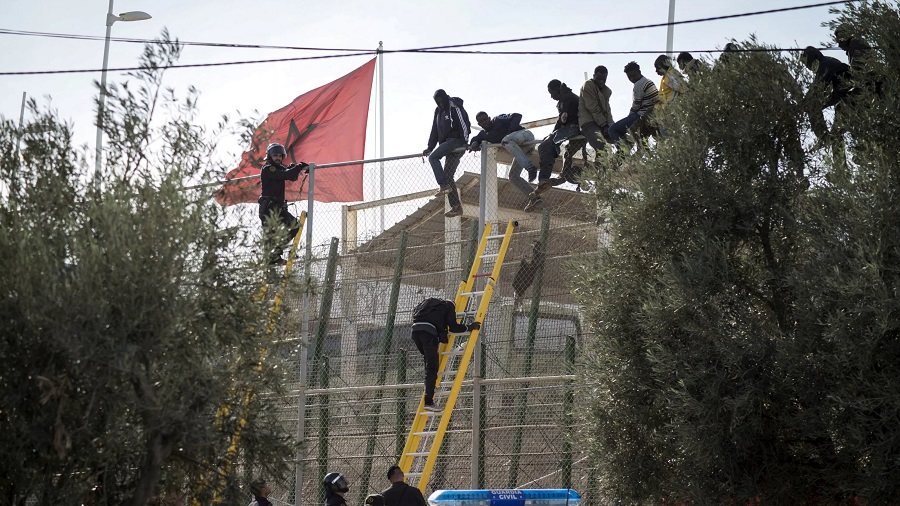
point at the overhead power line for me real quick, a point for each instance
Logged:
(639, 27)
(447, 49)
(7, 31)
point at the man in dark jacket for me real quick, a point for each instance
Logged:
(272, 205)
(833, 78)
(449, 132)
(260, 491)
(517, 141)
(430, 323)
(400, 493)
(566, 128)
(859, 55)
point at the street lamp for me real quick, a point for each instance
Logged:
(110, 19)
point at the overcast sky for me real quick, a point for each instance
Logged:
(496, 84)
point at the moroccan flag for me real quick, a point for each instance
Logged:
(325, 125)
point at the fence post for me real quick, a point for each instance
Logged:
(400, 425)
(304, 340)
(568, 405)
(323, 426)
(383, 352)
(529, 352)
(325, 309)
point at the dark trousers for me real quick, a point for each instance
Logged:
(594, 136)
(428, 347)
(446, 174)
(550, 148)
(269, 207)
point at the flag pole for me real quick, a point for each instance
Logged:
(304, 337)
(670, 30)
(381, 127)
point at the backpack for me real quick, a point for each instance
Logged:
(425, 307)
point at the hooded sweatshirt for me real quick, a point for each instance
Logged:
(568, 103)
(452, 123)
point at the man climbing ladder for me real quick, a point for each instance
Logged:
(431, 320)
(430, 425)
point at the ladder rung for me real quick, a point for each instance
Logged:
(418, 454)
(446, 373)
(413, 475)
(469, 294)
(466, 313)
(491, 255)
(482, 275)
(454, 353)
(425, 433)
(498, 236)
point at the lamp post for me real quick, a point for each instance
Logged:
(670, 32)
(110, 19)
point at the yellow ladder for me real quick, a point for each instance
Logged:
(215, 480)
(428, 428)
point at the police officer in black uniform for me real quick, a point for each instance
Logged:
(335, 488)
(272, 177)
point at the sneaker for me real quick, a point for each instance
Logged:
(454, 212)
(533, 203)
(431, 407)
(444, 189)
(532, 173)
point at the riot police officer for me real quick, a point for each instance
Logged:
(272, 202)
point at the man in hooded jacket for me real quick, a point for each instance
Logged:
(566, 128)
(449, 132)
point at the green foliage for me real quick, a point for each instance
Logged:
(129, 313)
(745, 326)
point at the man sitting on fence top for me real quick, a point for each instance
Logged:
(449, 132)
(645, 97)
(594, 114)
(507, 130)
(566, 128)
(400, 493)
(431, 319)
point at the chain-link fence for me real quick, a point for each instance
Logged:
(370, 264)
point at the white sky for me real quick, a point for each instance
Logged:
(496, 84)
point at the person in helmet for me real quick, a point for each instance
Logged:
(272, 204)
(335, 487)
(375, 500)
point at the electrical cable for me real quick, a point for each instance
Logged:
(6, 31)
(451, 49)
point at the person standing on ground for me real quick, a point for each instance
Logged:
(517, 141)
(374, 500)
(449, 132)
(272, 204)
(431, 320)
(335, 487)
(260, 491)
(400, 493)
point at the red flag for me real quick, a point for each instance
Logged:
(325, 125)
